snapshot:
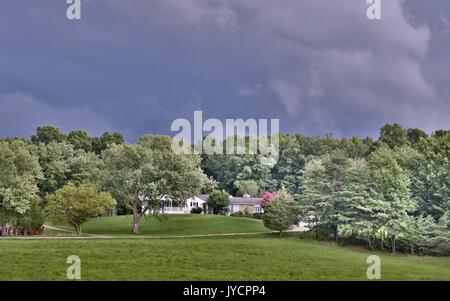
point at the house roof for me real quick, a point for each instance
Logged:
(203, 197)
(235, 200)
(245, 201)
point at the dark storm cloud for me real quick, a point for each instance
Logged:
(134, 66)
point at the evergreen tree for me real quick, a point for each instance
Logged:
(393, 183)
(324, 197)
(365, 207)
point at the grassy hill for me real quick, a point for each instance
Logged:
(253, 257)
(191, 224)
(261, 257)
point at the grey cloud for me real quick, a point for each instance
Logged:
(318, 65)
(21, 114)
(332, 49)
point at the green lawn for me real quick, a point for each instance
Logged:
(254, 257)
(173, 225)
(265, 257)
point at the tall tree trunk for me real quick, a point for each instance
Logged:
(78, 228)
(136, 216)
(317, 227)
(135, 226)
(382, 244)
(412, 249)
(393, 244)
(281, 233)
(369, 239)
(336, 233)
(136, 222)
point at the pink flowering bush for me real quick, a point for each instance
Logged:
(267, 197)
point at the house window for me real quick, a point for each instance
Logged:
(257, 209)
(194, 204)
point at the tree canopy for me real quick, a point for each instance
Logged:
(75, 205)
(219, 201)
(144, 173)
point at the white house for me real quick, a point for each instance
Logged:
(192, 202)
(245, 204)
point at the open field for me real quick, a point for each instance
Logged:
(253, 257)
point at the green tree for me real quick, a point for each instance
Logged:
(430, 175)
(80, 140)
(357, 148)
(324, 187)
(230, 170)
(54, 159)
(394, 135)
(289, 168)
(365, 208)
(415, 135)
(279, 213)
(393, 182)
(32, 221)
(76, 205)
(85, 168)
(47, 134)
(142, 174)
(62, 164)
(20, 173)
(430, 237)
(219, 200)
(99, 144)
(249, 187)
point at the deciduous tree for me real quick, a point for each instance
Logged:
(279, 213)
(75, 205)
(219, 201)
(142, 174)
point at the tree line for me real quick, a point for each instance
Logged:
(71, 178)
(389, 193)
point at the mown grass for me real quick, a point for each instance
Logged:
(253, 257)
(173, 225)
(261, 257)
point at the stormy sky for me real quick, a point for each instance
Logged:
(320, 66)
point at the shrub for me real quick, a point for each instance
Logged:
(196, 210)
(33, 219)
(29, 223)
(237, 214)
(257, 215)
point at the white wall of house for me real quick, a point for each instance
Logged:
(238, 207)
(195, 202)
(234, 208)
(190, 203)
